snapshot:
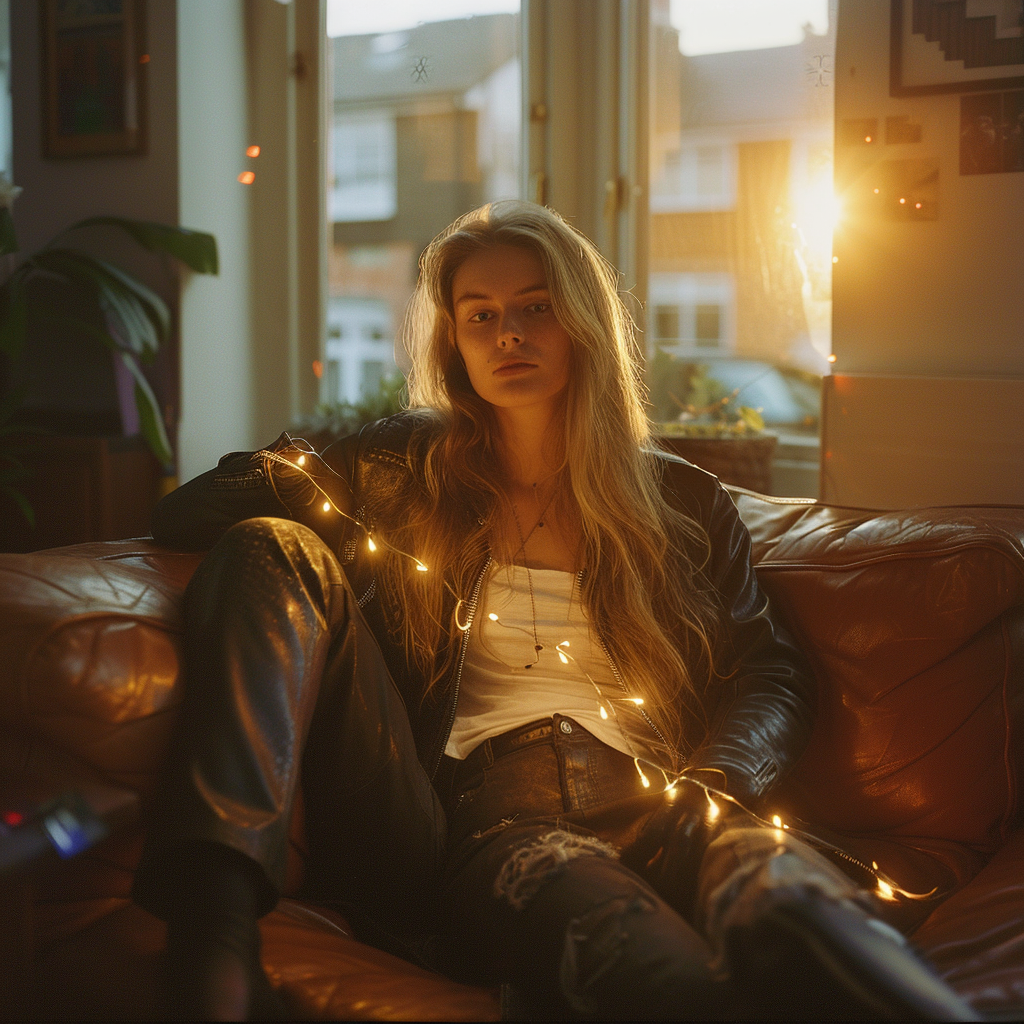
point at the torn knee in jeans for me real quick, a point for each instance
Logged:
(594, 944)
(531, 866)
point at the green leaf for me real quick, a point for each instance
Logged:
(13, 314)
(751, 417)
(22, 503)
(80, 326)
(196, 249)
(149, 413)
(8, 238)
(140, 311)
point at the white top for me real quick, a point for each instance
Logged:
(507, 683)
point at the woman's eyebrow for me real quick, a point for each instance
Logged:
(473, 296)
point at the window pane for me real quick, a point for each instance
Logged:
(425, 127)
(742, 211)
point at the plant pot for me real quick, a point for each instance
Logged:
(742, 461)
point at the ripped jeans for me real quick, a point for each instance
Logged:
(535, 894)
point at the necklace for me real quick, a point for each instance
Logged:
(537, 645)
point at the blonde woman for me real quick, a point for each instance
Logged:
(518, 662)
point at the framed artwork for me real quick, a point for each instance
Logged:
(94, 77)
(955, 46)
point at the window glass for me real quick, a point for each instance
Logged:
(425, 126)
(742, 211)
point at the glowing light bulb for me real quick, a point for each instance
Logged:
(492, 617)
(327, 506)
(643, 778)
(371, 544)
(713, 809)
(561, 657)
(885, 890)
(917, 206)
(835, 259)
(670, 789)
(832, 359)
(776, 821)
(604, 714)
(902, 202)
(867, 138)
(876, 191)
(420, 567)
(247, 177)
(636, 700)
(301, 460)
(252, 151)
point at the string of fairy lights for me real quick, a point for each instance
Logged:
(885, 887)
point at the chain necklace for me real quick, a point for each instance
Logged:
(537, 645)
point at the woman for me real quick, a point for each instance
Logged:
(520, 666)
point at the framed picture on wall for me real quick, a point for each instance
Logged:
(94, 77)
(955, 46)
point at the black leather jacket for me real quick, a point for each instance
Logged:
(761, 710)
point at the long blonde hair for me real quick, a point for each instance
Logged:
(643, 589)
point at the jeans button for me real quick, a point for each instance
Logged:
(565, 726)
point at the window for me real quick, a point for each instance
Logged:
(426, 125)
(742, 211)
(365, 183)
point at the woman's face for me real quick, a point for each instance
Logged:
(516, 352)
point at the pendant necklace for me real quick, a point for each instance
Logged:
(537, 645)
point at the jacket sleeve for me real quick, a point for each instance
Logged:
(268, 482)
(762, 719)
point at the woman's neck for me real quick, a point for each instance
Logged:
(531, 448)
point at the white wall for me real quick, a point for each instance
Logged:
(216, 364)
(928, 316)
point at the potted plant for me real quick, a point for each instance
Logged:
(120, 313)
(330, 421)
(697, 419)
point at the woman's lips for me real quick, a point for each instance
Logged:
(517, 366)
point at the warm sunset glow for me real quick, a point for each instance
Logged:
(818, 212)
(247, 177)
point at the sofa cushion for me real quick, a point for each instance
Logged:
(100, 962)
(914, 624)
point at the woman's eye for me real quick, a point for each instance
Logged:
(539, 307)
(481, 317)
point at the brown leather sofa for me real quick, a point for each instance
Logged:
(914, 623)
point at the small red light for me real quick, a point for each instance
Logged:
(144, 59)
(252, 151)
(247, 177)
(13, 818)
(318, 369)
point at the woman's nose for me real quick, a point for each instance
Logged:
(510, 331)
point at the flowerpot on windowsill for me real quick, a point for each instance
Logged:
(744, 460)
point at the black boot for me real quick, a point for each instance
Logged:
(212, 968)
(800, 939)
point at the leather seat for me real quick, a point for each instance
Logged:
(913, 622)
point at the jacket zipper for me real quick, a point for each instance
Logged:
(470, 613)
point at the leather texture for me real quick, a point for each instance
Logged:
(913, 623)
